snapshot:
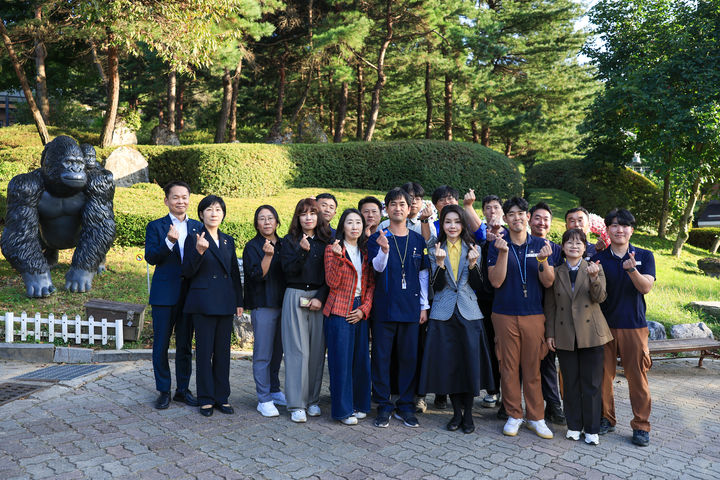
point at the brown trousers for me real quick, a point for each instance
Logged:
(631, 344)
(520, 343)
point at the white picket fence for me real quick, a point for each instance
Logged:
(76, 328)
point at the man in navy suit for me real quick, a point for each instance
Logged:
(164, 243)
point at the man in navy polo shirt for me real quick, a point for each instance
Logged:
(519, 267)
(399, 307)
(630, 275)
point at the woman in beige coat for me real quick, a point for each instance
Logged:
(576, 328)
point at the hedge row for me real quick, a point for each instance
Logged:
(703, 237)
(601, 187)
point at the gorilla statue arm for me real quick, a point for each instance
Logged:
(97, 233)
(20, 240)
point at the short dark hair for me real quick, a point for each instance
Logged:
(519, 202)
(396, 193)
(443, 191)
(541, 206)
(574, 233)
(370, 199)
(577, 209)
(175, 183)
(257, 214)
(414, 189)
(327, 195)
(490, 198)
(340, 232)
(623, 217)
(465, 234)
(210, 200)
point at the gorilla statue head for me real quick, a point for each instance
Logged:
(63, 166)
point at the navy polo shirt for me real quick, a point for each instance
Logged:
(556, 258)
(392, 303)
(590, 252)
(509, 298)
(479, 235)
(624, 306)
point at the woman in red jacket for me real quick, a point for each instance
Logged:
(350, 278)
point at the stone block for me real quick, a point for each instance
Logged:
(161, 135)
(243, 331)
(27, 352)
(123, 135)
(128, 167)
(691, 330)
(657, 330)
(711, 308)
(73, 355)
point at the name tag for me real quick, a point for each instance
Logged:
(637, 262)
(531, 255)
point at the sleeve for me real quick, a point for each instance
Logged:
(474, 277)
(377, 257)
(550, 312)
(556, 257)
(492, 255)
(437, 279)
(481, 234)
(252, 264)
(235, 274)
(648, 264)
(423, 277)
(369, 278)
(292, 257)
(156, 251)
(333, 268)
(598, 292)
(192, 259)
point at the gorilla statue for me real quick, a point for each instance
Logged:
(67, 202)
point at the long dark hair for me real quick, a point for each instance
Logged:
(257, 214)
(322, 229)
(340, 232)
(465, 234)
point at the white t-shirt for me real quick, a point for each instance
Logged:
(356, 259)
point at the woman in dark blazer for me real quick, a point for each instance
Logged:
(264, 290)
(457, 355)
(576, 328)
(214, 296)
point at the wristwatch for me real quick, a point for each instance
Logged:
(427, 220)
(630, 270)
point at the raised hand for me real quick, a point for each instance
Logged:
(305, 243)
(473, 256)
(382, 242)
(440, 255)
(469, 198)
(201, 244)
(593, 269)
(545, 251)
(490, 236)
(426, 212)
(336, 248)
(501, 244)
(173, 234)
(268, 248)
(630, 263)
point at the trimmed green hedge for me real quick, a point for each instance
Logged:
(601, 187)
(703, 237)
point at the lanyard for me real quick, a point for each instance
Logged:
(403, 283)
(523, 270)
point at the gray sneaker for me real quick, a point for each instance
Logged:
(420, 405)
(490, 400)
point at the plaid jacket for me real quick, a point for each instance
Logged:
(341, 278)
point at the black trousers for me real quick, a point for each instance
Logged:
(405, 337)
(582, 371)
(549, 379)
(212, 357)
(166, 319)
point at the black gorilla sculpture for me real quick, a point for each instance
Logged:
(67, 202)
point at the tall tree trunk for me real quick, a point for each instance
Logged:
(381, 79)
(360, 103)
(303, 99)
(180, 119)
(665, 211)
(40, 77)
(331, 106)
(225, 109)
(508, 147)
(171, 100)
(161, 112)
(280, 102)
(473, 122)
(37, 116)
(342, 113)
(233, 101)
(98, 64)
(687, 216)
(485, 135)
(113, 74)
(428, 103)
(448, 107)
(320, 103)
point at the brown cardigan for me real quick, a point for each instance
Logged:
(571, 315)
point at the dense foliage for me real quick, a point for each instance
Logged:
(703, 237)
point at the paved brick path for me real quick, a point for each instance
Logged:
(105, 427)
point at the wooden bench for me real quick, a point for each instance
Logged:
(706, 346)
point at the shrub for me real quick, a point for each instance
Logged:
(601, 187)
(703, 237)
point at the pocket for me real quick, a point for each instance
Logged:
(544, 350)
(646, 360)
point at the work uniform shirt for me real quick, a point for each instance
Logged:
(522, 265)
(624, 306)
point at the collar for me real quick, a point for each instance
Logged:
(455, 245)
(631, 248)
(176, 220)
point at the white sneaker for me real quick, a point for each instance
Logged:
(512, 426)
(267, 409)
(351, 420)
(540, 428)
(314, 411)
(298, 416)
(573, 435)
(278, 398)
(360, 415)
(592, 439)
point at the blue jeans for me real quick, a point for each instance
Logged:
(348, 364)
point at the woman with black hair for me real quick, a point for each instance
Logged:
(351, 280)
(457, 355)
(264, 290)
(302, 258)
(215, 294)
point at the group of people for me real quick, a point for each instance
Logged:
(407, 307)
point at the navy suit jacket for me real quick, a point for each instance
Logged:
(215, 287)
(166, 287)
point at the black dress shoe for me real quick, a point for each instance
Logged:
(186, 397)
(454, 423)
(501, 413)
(226, 409)
(554, 414)
(206, 411)
(440, 402)
(468, 427)
(163, 401)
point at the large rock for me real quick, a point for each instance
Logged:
(691, 330)
(244, 331)
(657, 330)
(307, 130)
(710, 266)
(123, 135)
(161, 135)
(711, 308)
(128, 167)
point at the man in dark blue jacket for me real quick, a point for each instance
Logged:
(164, 242)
